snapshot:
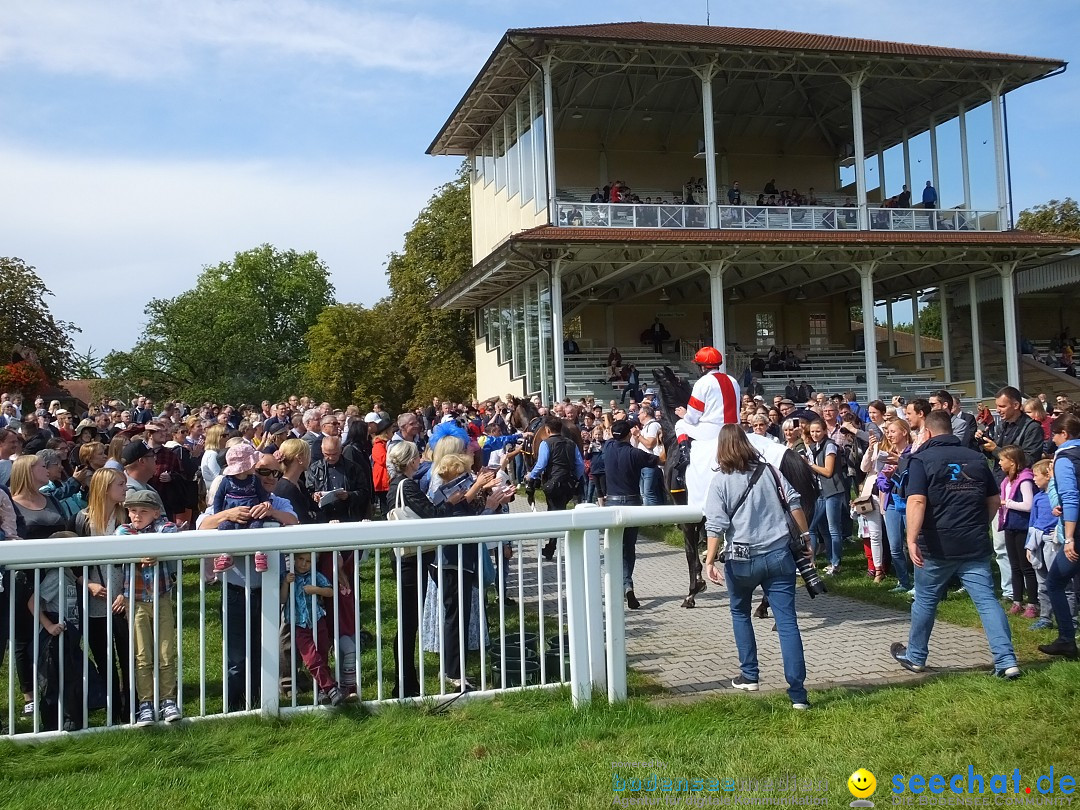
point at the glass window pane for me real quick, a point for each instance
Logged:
(500, 157)
(513, 169)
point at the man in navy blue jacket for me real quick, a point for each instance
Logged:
(951, 496)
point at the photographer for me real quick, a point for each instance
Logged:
(743, 506)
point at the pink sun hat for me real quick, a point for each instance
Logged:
(241, 459)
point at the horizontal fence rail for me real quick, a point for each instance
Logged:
(394, 617)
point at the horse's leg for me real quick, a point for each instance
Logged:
(692, 547)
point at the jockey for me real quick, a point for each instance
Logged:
(713, 403)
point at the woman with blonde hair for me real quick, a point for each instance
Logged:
(213, 451)
(116, 449)
(103, 514)
(450, 461)
(295, 458)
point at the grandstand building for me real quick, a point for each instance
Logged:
(682, 113)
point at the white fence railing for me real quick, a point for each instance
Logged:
(183, 624)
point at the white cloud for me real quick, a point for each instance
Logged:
(142, 40)
(108, 235)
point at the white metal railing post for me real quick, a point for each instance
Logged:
(594, 605)
(576, 607)
(615, 614)
(269, 642)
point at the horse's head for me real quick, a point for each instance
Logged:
(522, 413)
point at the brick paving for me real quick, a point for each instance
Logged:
(846, 641)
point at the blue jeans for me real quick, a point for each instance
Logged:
(828, 516)
(775, 573)
(1058, 578)
(629, 543)
(931, 582)
(896, 528)
(652, 482)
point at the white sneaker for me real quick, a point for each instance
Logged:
(170, 712)
(802, 707)
(145, 715)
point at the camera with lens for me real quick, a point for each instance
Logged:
(804, 563)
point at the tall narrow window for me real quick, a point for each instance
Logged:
(819, 329)
(764, 330)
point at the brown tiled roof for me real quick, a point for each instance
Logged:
(549, 233)
(718, 36)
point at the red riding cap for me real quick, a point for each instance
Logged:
(708, 356)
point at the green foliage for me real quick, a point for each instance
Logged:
(84, 366)
(237, 336)
(929, 322)
(1055, 217)
(401, 350)
(437, 252)
(25, 319)
(356, 355)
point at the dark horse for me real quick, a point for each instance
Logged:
(675, 392)
(525, 418)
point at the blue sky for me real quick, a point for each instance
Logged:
(144, 140)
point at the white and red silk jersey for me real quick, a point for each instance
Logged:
(714, 402)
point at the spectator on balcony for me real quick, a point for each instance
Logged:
(929, 196)
(770, 187)
(570, 346)
(811, 197)
(734, 196)
(658, 335)
(760, 199)
(597, 196)
(772, 200)
(614, 363)
(904, 198)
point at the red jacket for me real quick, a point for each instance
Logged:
(379, 477)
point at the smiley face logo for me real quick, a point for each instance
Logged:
(862, 784)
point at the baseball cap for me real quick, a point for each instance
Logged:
(371, 417)
(620, 429)
(133, 451)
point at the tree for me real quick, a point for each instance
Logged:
(437, 252)
(238, 336)
(25, 320)
(929, 322)
(84, 366)
(1061, 218)
(356, 356)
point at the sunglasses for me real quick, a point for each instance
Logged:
(265, 473)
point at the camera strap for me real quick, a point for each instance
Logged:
(749, 486)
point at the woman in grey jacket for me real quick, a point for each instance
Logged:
(743, 507)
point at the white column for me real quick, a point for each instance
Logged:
(946, 340)
(915, 329)
(577, 620)
(890, 336)
(907, 161)
(965, 167)
(557, 331)
(976, 346)
(935, 175)
(999, 159)
(881, 173)
(615, 615)
(866, 274)
(549, 144)
(716, 301)
(1012, 333)
(710, 145)
(860, 151)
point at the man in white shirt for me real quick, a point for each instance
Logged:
(647, 436)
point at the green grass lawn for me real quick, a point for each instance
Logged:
(535, 751)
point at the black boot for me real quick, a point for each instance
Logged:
(1064, 647)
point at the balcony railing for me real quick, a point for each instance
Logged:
(625, 215)
(780, 218)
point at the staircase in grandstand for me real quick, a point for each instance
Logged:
(832, 371)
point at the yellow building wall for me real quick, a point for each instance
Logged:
(492, 377)
(495, 217)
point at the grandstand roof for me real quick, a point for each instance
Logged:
(766, 78)
(616, 265)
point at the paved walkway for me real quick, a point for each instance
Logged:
(846, 641)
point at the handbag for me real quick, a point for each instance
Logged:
(863, 505)
(402, 512)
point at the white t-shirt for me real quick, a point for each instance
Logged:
(653, 431)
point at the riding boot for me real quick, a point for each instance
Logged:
(549, 549)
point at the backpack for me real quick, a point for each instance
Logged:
(1073, 455)
(898, 493)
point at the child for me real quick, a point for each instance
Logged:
(1043, 541)
(312, 637)
(239, 487)
(59, 616)
(146, 515)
